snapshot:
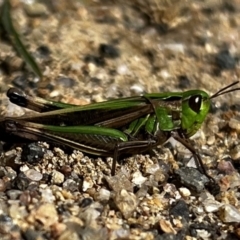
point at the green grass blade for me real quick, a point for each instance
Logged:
(7, 25)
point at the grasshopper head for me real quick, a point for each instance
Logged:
(195, 107)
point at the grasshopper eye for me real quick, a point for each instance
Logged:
(195, 103)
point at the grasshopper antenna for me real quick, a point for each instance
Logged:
(222, 91)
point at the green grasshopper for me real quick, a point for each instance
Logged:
(123, 126)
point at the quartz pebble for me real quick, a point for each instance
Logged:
(33, 175)
(211, 205)
(229, 213)
(57, 177)
(126, 202)
(87, 183)
(138, 179)
(103, 195)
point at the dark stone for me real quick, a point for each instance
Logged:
(66, 82)
(224, 60)
(32, 153)
(86, 202)
(180, 209)
(184, 82)
(108, 51)
(43, 51)
(98, 61)
(192, 178)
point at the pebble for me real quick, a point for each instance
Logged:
(57, 177)
(14, 194)
(75, 232)
(91, 213)
(32, 153)
(229, 214)
(33, 175)
(235, 153)
(86, 202)
(6, 226)
(166, 226)
(70, 185)
(30, 234)
(224, 60)
(185, 192)
(234, 124)
(225, 167)
(211, 205)
(87, 183)
(2, 186)
(180, 209)
(175, 47)
(192, 178)
(138, 179)
(47, 195)
(103, 195)
(21, 181)
(35, 9)
(137, 89)
(108, 51)
(46, 214)
(66, 82)
(119, 182)
(126, 202)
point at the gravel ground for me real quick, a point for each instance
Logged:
(90, 51)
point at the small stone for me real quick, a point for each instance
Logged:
(32, 153)
(75, 231)
(33, 175)
(25, 198)
(2, 186)
(235, 153)
(46, 214)
(91, 213)
(224, 60)
(185, 192)
(47, 195)
(229, 213)
(119, 182)
(70, 185)
(87, 183)
(108, 51)
(211, 205)
(225, 167)
(21, 181)
(126, 202)
(166, 226)
(35, 9)
(14, 194)
(57, 178)
(103, 195)
(180, 209)
(192, 178)
(86, 202)
(138, 179)
(234, 124)
(151, 169)
(6, 224)
(32, 234)
(66, 82)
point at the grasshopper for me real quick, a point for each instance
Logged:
(127, 125)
